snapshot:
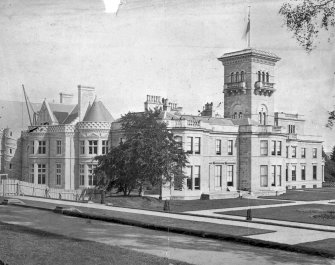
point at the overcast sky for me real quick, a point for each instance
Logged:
(168, 48)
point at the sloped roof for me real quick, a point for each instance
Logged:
(72, 116)
(98, 112)
(61, 111)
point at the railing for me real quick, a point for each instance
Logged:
(13, 187)
(183, 123)
(264, 85)
(235, 85)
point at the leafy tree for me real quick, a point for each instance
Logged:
(305, 18)
(150, 154)
(332, 155)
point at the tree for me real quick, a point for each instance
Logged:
(332, 155)
(305, 18)
(150, 154)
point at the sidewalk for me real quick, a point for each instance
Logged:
(277, 231)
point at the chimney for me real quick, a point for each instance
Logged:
(208, 110)
(86, 96)
(153, 102)
(65, 98)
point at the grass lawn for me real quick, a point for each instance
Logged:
(309, 213)
(306, 195)
(27, 246)
(164, 221)
(325, 244)
(154, 204)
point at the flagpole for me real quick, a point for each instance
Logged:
(249, 33)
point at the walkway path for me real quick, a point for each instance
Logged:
(282, 234)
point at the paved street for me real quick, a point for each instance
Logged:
(184, 248)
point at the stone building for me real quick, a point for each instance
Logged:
(250, 148)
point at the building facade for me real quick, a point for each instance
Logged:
(251, 148)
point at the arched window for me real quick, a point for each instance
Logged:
(264, 118)
(237, 77)
(235, 115)
(263, 76)
(232, 78)
(240, 116)
(260, 118)
(242, 76)
(259, 76)
(267, 77)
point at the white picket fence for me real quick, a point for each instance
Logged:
(13, 187)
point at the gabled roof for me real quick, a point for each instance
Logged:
(72, 116)
(98, 112)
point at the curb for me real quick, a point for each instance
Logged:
(197, 233)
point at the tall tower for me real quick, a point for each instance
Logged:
(249, 85)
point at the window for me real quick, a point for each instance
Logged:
(189, 145)
(232, 78)
(315, 152)
(259, 76)
(291, 129)
(41, 147)
(31, 173)
(10, 165)
(294, 172)
(264, 147)
(263, 76)
(196, 176)
(273, 175)
(235, 115)
(92, 178)
(264, 176)
(267, 77)
(278, 148)
(240, 115)
(286, 173)
(287, 148)
(93, 147)
(10, 150)
(260, 118)
(303, 172)
(81, 175)
(279, 175)
(294, 151)
(32, 148)
(104, 147)
(242, 76)
(197, 145)
(303, 152)
(230, 175)
(41, 173)
(230, 147)
(218, 176)
(237, 77)
(82, 147)
(264, 118)
(273, 148)
(218, 147)
(59, 147)
(58, 174)
(10, 133)
(189, 174)
(314, 172)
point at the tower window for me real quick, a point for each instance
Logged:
(240, 115)
(237, 77)
(232, 78)
(242, 76)
(263, 76)
(267, 77)
(259, 76)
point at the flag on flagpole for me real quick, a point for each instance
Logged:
(246, 34)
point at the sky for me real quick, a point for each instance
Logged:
(158, 47)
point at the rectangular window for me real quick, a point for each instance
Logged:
(273, 175)
(92, 179)
(218, 147)
(287, 148)
(286, 173)
(230, 147)
(314, 172)
(58, 174)
(189, 174)
(279, 175)
(303, 172)
(104, 149)
(315, 152)
(41, 173)
(294, 173)
(81, 175)
(230, 175)
(42, 149)
(218, 176)
(93, 147)
(264, 147)
(59, 147)
(196, 176)
(82, 147)
(278, 148)
(197, 142)
(189, 145)
(32, 148)
(31, 173)
(264, 176)
(303, 152)
(294, 151)
(273, 148)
